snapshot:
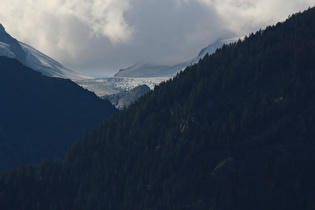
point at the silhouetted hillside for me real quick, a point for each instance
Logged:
(235, 131)
(42, 116)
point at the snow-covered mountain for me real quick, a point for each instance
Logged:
(143, 70)
(34, 59)
(144, 74)
(10, 46)
(5, 50)
(48, 66)
(124, 80)
(114, 85)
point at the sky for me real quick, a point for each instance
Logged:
(99, 37)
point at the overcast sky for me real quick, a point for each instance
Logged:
(99, 37)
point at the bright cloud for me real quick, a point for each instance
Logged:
(105, 17)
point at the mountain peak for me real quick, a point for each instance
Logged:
(14, 45)
(1, 28)
(10, 47)
(5, 37)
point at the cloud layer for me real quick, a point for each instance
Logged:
(98, 37)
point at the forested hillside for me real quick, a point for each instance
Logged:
(41, 117)
(235, 131)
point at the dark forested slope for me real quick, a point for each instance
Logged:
(235, 131)
(42, 116)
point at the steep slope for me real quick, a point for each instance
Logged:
(13, 45)
(41, 116)
(34, 59)
(48, 66)
(235, 131)
(5, 50)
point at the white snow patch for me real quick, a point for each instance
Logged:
(5, 50)
(48, 66)
(113, 85)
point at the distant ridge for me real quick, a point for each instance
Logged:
(34, 59)
(48, 66)
(143, 70)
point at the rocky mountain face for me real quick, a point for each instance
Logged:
(13, 45)
(124, 98)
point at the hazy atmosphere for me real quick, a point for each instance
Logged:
(100, 37)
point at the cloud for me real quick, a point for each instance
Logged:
(165, 28)
(98, 37)
(247, 16)
(105, 17)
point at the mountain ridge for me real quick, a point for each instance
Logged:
(34, 59)
(143, 70)
(48, 66)
(13, 44)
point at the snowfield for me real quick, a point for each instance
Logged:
(48, 66)
(113, 85)
(5, 50)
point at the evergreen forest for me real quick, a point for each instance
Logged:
(234, 131)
